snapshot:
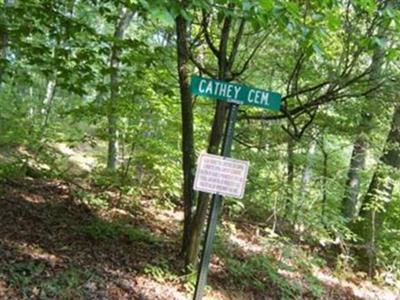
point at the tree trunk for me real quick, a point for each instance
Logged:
(112, 155)
(3, 51)
(204, 199)
(357, 165)
(48, 101)
(199, 217)
(188, 164)
(305, 180)
(350, 202)
(325, 158)
(4, 43)
(373, 209)
(46, 111)
(289, 176)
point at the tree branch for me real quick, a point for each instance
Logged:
(200, 66)
(223, 46)
(295, 72)
(247, 62)
(236, 44)
(205, 23)
(332, 95)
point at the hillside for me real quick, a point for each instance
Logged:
(56, 243)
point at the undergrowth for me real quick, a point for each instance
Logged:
(103, 231)
(30, 279)
(289, 274)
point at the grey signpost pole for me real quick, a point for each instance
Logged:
(216, 204)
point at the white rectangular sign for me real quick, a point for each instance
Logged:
(221, 175)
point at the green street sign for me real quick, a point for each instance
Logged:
(231, 92)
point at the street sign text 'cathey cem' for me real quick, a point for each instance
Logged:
(232, 92)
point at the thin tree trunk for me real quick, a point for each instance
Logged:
(203, 200)
(350, 202)
(213, 147)
(305, 180)
(48, 105)
(325, 158)
(289, 177)
(188, 164)
(379, 195)
(112, 155)
(48, 101)
(357, 164)
(4, 43)
(3, 51)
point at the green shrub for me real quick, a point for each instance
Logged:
(10, 170)
(101, 230)
(30, 278)
(92, 200)
(160, 272)
(24, 274)
(65, 285)
(259, 272)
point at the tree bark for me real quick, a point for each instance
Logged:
(325, 157)
(3, 51)
(4, 43)
(48, 105)
(188, 164)
(379, 195)
(357, 164)
(48, 101)
(121, 26)
(289, 176)
(216, 134)
(350, 202)
(305, 180)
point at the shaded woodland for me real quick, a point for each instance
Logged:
(99, 136)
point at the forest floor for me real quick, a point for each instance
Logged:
(58, 241)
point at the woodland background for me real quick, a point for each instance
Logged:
(97, 121)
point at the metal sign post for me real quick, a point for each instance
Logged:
(215, 209)
(235, 95)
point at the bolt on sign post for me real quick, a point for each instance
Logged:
(221, 175)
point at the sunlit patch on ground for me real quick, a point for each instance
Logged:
(82, 159)
(53, 245)
(364, 289)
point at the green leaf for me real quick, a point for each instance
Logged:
(333, 21)
(145, 4)
(267, 4)
(293, 8)
(163, 16)
(247, 6)
(379, 42)
(317, 50)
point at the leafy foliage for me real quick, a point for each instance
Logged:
(66, 71)
(103, 231)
